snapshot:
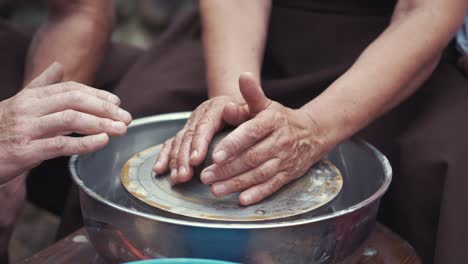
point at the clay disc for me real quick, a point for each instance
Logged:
(316, 188)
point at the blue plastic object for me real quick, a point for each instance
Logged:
(181, 261)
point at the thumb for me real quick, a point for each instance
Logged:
(252, 93)
(235, 114)
(53, 74)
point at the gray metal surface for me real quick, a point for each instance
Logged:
(320, 184)
(122, 228)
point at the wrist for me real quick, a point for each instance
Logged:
(328, 124)
(222, 81)
(229, 88)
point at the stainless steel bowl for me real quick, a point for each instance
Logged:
(123, 228)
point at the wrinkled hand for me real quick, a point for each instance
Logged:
(272, 146)
(189, 147)
(34, 123)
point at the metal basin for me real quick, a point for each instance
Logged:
(123, 229)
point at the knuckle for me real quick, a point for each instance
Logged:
(18, 108)
(173, 163)
(251, 158)
(225, 170)
(20, 140)
(197, 134)
(189, 134)
(24, 129)
(255, 130)
(204, 122)
(27, 93)
(173, 154)
(283, 141)
(238, 183)
(109, 96)
(276, 182)
(70, 85)
(167, 144)
(69, 117)
(16, 145)
(59, 144)
(277, 116)
(107, 108)
(263, 172)
(179, 136)
(103, 123)
(181, 157)
(74, 96)
(81, 146)
(202, 127)
(230, 143)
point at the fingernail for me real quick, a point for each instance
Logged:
(219, 189)
(101, 138)
(172, 181)
(207, 177)
(194, 154)
(116, 100)
(124, 115)
(182, 170)
(158, 163)
(219, 156)
(247, 198)
(173, 173)
(53, 66)
(118, 127)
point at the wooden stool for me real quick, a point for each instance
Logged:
(383, 246)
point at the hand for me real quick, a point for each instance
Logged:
(273, 146)
(34, 122)
(190, 146)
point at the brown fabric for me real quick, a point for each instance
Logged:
(425, 138)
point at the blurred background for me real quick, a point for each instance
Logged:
(139, 23)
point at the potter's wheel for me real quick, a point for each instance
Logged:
(326, 234)
(316, 188)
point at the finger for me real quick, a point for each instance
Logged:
(66, 146)
(247, 160)
(252, 93)
(242, 137)
(164, 156)
(68, 121)
(74, 86)
(263, 190)
(53, 74)
(173, 156)
(234, 114)
(246, 180)
(204, 132)
(82, 102)
(162, 161)
(185, 171)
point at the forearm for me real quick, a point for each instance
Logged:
(388, 71)
(76, 35)
(234, 35)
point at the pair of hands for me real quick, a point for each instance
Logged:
(271, 146)
(34, 123)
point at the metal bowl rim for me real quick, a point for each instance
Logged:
(387, 169)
